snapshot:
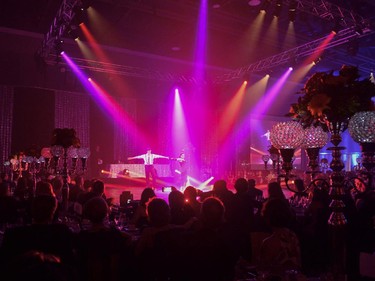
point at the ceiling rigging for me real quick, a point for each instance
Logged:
(350, 25)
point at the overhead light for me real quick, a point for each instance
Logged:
(254, 3)
(86, 4)
(216, 4)
(79, 16)
(317, 60)
(265, 5)
(358, 30)
(278, 8)
(73, 33)
(59, 45)
(246, 77)
(337, 26)
(292, 10)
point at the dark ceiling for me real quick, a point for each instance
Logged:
(168, 28)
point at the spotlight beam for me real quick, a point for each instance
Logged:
(105, 100)
(271, 94)
(230, 114)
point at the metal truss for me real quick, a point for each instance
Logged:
(355, 27)
(62, 20)
(129, 71)
(329, 11)
(292, 56)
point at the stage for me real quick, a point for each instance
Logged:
(115, 186)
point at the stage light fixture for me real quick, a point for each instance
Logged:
(58, 46)
(292, 10)
(278, 8)
(265, 5)
(79, 16)
(86, 4)
(73, 33)
(337, 26)
(358, 30)
(246, 77)
(216, 4)
(317, 60)
(254, 3)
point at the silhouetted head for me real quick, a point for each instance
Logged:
(43, 208)
(241, 185)
(95, 209)
(44, 188)
(277, 213)
(98, 187)
(212, 212)
(220, 187)
(251, 183)
(158, 212)
(275, 191)
(146, 195)
(176, 199)
(190, 193)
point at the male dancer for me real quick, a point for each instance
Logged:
(148, 159)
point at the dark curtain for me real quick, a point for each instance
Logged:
(33, 119)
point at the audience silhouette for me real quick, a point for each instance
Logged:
(193, 235)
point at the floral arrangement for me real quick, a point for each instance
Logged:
(65, 137)
(335, 98)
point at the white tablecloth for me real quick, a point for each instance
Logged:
(138, 170)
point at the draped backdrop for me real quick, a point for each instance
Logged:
(6, 113)
(72, 111)
(29, 115)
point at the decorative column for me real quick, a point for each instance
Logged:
(337, 220)
(337, 217)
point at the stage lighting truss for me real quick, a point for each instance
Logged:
(60, 23)
(354, 26)
(328, 11)
(129, 71)
(344, 36)
(299, 52)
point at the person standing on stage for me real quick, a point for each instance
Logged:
(148, 159)
(182, 169)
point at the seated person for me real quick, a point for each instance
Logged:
(42, 235)
(103, 251)
(280, 251)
